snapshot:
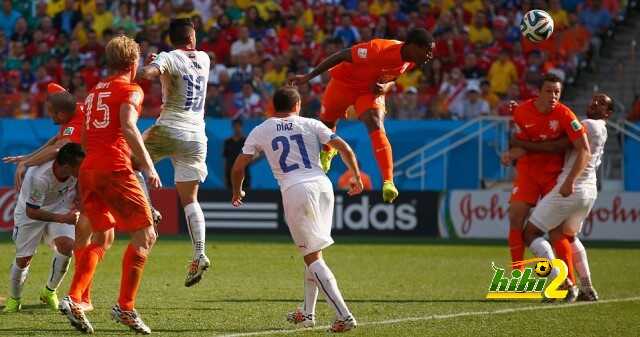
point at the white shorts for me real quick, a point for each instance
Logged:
(308, 210)
(187, 156)
(554, 210)
(29, 235)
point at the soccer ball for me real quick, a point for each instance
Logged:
(536, 25)
(543, 268)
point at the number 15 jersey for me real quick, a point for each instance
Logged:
(105, 144)
(292, 147)
(184, 77)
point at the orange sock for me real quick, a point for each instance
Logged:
(516, 246)
(132, 267)
(86, 265)
(564, 252)
(383, 154)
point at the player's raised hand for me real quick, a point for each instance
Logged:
(13, 159)
(355, 186)
(236, 199)
(299, 79)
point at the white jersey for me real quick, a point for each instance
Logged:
(292, 147)
(597, 135)
(184, 79)
(41, 189)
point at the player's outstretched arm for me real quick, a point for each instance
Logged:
(553, 146)
(35, 213)
(581, 145)
(128, 119)
(148, 72)
(237, 177)
(328, 63)
(349, 159)
(44, 154)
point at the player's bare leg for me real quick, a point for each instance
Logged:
(188, 193)
(59, 266)
(518, 214)
(373, 119)
(326, 282)
(327, 153)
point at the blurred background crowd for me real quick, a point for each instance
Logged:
(481, 62)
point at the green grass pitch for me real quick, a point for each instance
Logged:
(395, 287)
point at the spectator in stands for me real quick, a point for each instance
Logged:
(502, 73)
(8, 18)
(245, 45)
(124, 19)
(410, 78)
(489, 96)
(73, 62)
(408, 106)
(471, 106)
(276, 72)
(453, 89)
(231, 149)
(347, 32)
(214, 104)
(67, 19)
(263, 88)
(247, 103)
(310, 102)
(479, 34)
(597, 20)
(535, 69)
(16, 56)
(634, 114)
(102, 18)
(471, 70)
(450, 49)
(218, 73)
(21, 32)
(559, 15)
(240, 74)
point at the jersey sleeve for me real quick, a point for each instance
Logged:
(252, 144)
(517, 123)
(365, 53)
(162, 62)
(571, 125)
(133, 95)
(36, 193)
(324, 134)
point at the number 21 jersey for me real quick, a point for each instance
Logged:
(105, 144)
(292, 147)
(184, 77)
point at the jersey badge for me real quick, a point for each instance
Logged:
(68, 131)
(576, 125)
(553, 125)
(362, 53)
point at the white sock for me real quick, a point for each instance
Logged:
(542, 248)
(17, 277)
(196, 226)
(310, 292)
(329, 286)
(581, 263)
(59, 267)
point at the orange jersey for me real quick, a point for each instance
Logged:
(533, 125)
(105, 144)
(73, 128)
(378, 60)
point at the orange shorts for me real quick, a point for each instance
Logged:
(338, 97)
(530, 187)
(114, 199)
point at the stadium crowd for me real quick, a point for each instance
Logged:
(481, 62)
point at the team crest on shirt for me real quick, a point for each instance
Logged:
(553, 125)
(67, 131)
(576, 125)
(362, 53)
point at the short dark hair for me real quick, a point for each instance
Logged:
(420, 37)
(62, 102)
(70, 154)
(180, 30)
(285, 99)
(551, 77)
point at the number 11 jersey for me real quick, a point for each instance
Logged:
(292, 146)
(184, 77)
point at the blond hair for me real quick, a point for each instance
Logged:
(121, 53)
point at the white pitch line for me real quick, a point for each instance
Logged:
(438, 317)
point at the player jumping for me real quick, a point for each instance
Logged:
(360, 78)
(45, 211)
(110, 192)
(292, 144)
(563, 210)
(539, 119)
(179, 132)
